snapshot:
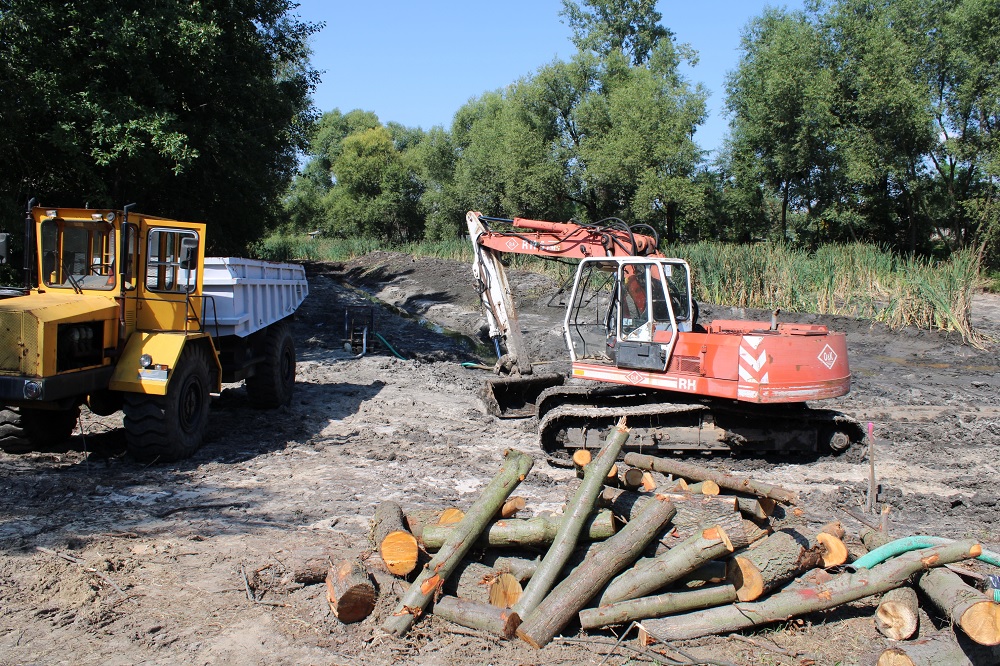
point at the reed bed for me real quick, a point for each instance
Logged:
(859, 281)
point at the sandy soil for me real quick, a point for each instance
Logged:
(107, 561)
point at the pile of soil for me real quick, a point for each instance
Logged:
(106, 560)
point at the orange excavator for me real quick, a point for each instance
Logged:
(637, 350)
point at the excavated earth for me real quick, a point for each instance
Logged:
(104, 560)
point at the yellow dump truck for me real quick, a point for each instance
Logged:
(123, 311)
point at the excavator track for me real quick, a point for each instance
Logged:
(574, 417)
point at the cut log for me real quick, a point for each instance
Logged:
(693, 513)
(648, 482)
(632, 480)
(460, 541)
(756, 508)
(651, 574)
(470, 580)
(832, 550)
(968, 608)
(300, 566)
(482, 617)
(694, 472)
(582, 458)
(896, 617)
(710, 572)
(521, 568)
(417, 520)
(775, 561)
(350, 591)
(755, 531)
(505, 590)
(657, 606)
(607, 559)
(836, 528)
(395, 543)
(945, 648)
(526, 532)
(873, 539)
(451, 516)
(802, 599)
(573, 523)
(707, 487)
(512, 506)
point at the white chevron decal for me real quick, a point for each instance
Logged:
(747, 377)
(755, 363)
(753, 340)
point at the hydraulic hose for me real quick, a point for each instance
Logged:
(906, 544)
(386, 343)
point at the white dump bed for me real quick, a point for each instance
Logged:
(245, 295)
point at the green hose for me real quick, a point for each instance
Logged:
(906, 544)
(386, 343)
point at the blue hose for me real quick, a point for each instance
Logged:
(906, 544)
(386, 343)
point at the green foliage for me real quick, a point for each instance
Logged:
(193, 110)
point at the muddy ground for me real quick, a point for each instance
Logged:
(104, 560)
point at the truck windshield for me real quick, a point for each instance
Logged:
(78, 254)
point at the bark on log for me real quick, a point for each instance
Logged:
(693, 513)
(698, 473)
(573, 522)
(301, 566)
(968, 608)
(896, 617)
(418, 596)
(802, 599)
(350, 591)
(946, 647)
(482, 617)
(417, 520)
(521, 568)
(526, 532)
(775, 561)
(873, 539)
(657, 606)
(756, 508)
(836, 528)
(706, 487)
(394, 542)
(651, 574)
(607, 559)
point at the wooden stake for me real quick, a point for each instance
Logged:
(579, 587)
(968, 608)
(699, 473)
(483, 617)
(418, 596)
(350, 591)
(896, 617)
(872, 488)
(572, 523)
(802, 599)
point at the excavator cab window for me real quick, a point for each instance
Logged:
(645, 311)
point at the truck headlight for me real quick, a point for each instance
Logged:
(32, 390)
(145, 361)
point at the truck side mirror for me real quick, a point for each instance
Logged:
(189, 253)
(4, 248)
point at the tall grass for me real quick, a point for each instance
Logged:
(860, 281)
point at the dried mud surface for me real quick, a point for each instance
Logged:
(187, 563)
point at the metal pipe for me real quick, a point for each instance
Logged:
(29, 227)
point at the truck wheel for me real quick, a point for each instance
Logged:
(23, 429)
(273, 380)
(171, 427)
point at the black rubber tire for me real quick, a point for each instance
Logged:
(273, 380)
(23, 429)
(171, 427)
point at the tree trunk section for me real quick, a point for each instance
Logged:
(698, 473)
(944, 649)
(632, 480)
(968, 608)
(460, 541)
(652, 574)
(579, 587)
(873, 539)
(525, 532)
(417, 520)
(573, 523)
(657, 606)
(802, 599)
(709, 572)
(755, 508)
(350, 591)
(482, 617)
(773, 562)
(896, 617)
(395, 543)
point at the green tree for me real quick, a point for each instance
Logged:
(631, 27)
(193, 110)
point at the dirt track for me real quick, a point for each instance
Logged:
(177, 539)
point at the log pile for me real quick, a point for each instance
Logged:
(683, 550)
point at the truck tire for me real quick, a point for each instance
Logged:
(273, 380)
(23, 429)
(172, 426)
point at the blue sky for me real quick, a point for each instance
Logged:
(417, 63)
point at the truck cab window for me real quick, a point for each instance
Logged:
(78, 254)
(171, 260)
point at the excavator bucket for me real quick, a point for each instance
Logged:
(514, 397)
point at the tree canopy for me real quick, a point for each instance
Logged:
(191, 109)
